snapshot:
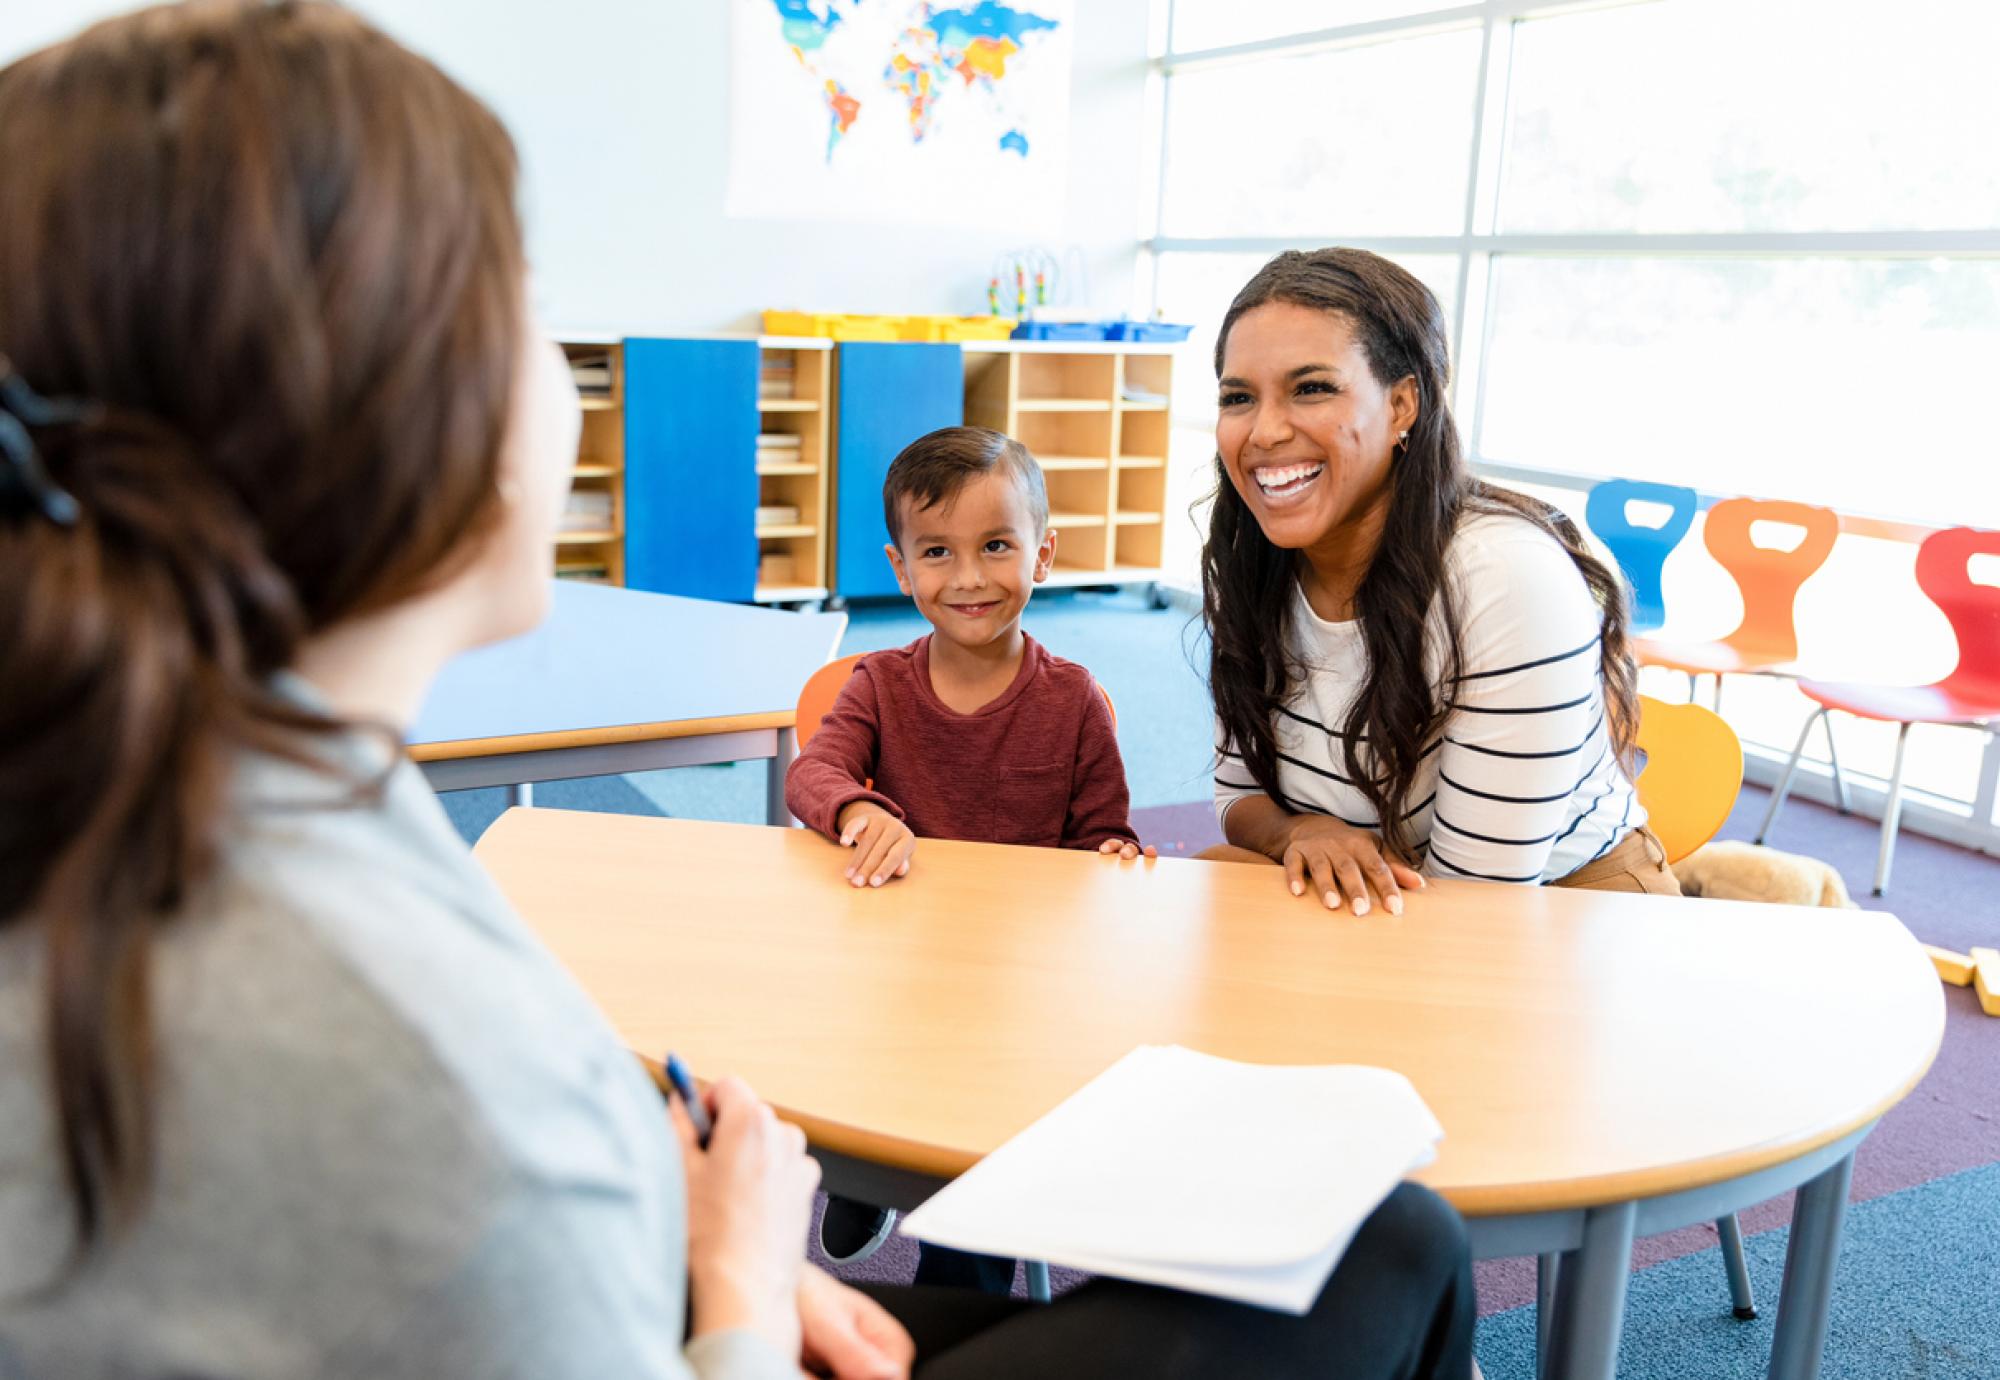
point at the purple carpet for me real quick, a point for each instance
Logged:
(1951, 1122)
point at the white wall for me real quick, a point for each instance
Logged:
(620, 108)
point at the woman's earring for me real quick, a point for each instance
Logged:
(1403, 438)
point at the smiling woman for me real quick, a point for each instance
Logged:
(1414, 672)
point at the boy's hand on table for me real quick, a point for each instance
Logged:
(882, 844)
(1126, 849)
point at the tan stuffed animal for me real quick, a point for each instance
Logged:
(1732, 871)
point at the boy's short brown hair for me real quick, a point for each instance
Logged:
(933, 468)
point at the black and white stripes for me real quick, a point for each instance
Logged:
(1522, 786)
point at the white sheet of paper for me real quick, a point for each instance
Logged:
(1245, 1181)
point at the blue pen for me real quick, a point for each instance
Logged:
(678, 1080)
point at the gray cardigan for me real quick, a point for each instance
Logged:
(395, 1140)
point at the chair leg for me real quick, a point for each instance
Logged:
(1740, 1296)
(1718, 692)
(1694, 688)
(1833, 757)
(1892, 814)
(1785, 781)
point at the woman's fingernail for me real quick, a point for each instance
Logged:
(1395, 905)
(1361, 905)
(1332, 900)
(1298, 888)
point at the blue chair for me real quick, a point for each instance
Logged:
(1641, 552)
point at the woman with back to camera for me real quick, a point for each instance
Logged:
(1415, 673)
(297, 1093)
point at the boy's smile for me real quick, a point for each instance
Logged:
(971, 561)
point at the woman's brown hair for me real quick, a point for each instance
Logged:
(277, 259)
(1407, 609)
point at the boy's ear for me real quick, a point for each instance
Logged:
(902, 575)
(1045, 556)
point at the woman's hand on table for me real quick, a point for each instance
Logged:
(847, 1334)
(1337, 860)
(749, 1202)
(883, 845)
(1126, 849)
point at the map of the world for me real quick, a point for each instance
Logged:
(888, 109)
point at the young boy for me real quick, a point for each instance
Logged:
(973, 732)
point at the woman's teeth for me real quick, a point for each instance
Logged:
(1281, 481)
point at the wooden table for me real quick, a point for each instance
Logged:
(616, 680)
(1604, 1065)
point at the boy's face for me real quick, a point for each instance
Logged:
(971, 560)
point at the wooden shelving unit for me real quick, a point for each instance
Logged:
(792, 557)
(1103, 453)
(594, 549)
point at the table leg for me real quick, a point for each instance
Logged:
(521, 793)
(1805, 1301)
(1546, 1266)
(1038, 1281)
(1590, 1297)
(774, 780)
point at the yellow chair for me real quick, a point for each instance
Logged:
(1693, 772)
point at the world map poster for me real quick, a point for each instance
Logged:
(953, 113)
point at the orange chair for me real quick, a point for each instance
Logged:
(1969, 696)
(821, 689)
(1769, 580)
(1693, 772)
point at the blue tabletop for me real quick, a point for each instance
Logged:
(609, 657)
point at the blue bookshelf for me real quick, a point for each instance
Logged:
(691, 485)
(888, 396)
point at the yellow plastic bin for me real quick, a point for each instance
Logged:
(831, 325)
(956, 328)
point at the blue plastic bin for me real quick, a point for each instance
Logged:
(1061, 330)
(1143, 331)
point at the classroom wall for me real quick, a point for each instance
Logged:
(621, 111)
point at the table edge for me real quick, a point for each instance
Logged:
(451, 750)
(1488, 1200)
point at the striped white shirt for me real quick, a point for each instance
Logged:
(1523, 785)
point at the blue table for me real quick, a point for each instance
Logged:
(617, 681)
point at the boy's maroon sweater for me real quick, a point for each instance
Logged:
(1038, 765)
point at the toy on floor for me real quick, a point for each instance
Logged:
(1954, 967)
(1732, 871)
(1986, 979)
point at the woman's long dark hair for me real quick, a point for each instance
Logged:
(278, 257)
(1407, 609)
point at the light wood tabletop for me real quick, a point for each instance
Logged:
(1579, 1047)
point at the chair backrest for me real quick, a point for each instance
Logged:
(1641, 552)
(1694, 768)
(1972, 608)
(819, 692)
(1768, 577)
(823, 687)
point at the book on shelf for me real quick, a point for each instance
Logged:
(592, 375)
(777, 515)
(586, 509)
(779, 440)
(777, 568)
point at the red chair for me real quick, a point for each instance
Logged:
(1968, 697)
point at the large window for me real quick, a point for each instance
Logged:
(1752, 246)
